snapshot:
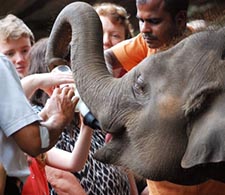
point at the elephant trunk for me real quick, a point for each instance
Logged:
(79, 26)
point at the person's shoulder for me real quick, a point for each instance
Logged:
(2, 57)
(5, 63)
(7, 68)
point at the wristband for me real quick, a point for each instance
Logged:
(44, 134)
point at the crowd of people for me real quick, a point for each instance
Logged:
(45, 146)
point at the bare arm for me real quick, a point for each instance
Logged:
(113, 65)
(145, 191)
(56, 114)
(133, 186)
(45, 81)
(74, 161)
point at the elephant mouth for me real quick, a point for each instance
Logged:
(114, 134)
(108, 137)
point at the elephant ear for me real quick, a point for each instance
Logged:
(206, 111)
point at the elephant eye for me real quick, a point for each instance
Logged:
(139, 85)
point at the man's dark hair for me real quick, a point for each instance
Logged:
(171, 6)
(175, 6)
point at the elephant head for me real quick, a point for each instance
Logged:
(166, 115)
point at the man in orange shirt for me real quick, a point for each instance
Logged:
(162, 24)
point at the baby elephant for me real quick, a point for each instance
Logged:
(167, 115)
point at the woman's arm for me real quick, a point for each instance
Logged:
(72, 161)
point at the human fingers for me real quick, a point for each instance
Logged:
(71, 93)
(63, 102)
(75, 100)
(67, 90)
(56, 91)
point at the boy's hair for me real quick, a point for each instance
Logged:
(11, 27)
(116, 14)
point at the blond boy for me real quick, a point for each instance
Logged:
(16, 39)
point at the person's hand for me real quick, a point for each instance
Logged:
(59, 108)
(64, 182)
(57, 113)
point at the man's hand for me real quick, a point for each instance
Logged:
(58, 112)
(59, 107)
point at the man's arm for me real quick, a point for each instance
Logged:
(56, 114)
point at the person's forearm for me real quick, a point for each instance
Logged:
(74, 161)
(30, 84)
(133, 186)
(57, 113)
(33, 144)
(81, 150)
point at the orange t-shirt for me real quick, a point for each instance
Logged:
(132, 51)
(210, 187)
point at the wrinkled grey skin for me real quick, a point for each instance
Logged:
(167, 115)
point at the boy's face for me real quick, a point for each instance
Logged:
(18, 52)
